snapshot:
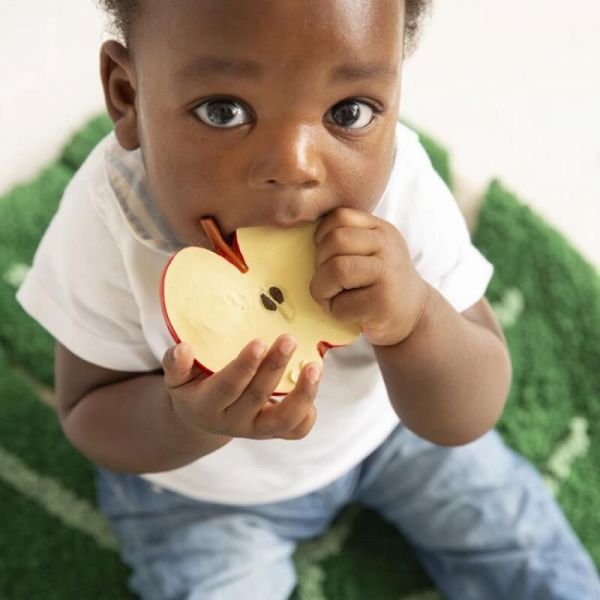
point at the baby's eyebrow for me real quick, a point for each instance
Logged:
(354, 71)
(206, 65)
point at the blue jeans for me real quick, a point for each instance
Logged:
(479, 518)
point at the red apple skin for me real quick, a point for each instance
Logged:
(166, 316)
(322, 346)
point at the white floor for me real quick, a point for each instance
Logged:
(512, 88)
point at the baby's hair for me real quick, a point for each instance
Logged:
(122, 13)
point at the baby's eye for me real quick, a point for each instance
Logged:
(221, 113)
(352, 114)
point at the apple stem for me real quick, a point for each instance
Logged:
(220, 245)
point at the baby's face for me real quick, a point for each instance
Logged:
(266, 112)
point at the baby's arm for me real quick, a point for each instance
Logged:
(123, 420)
(447, 373)
(449, 380)
(162, 420)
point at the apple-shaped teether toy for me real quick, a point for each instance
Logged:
(218, 302)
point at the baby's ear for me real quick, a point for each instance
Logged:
(118, 81)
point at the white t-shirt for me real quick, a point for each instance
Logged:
(94, 285)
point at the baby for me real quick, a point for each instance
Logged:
(263, 112)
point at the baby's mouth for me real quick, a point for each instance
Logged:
(228, 236)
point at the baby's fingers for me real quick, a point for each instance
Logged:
(303, 429)
(295, 415)
(228, 384)
(178, 365)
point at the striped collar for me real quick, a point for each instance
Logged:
(127, 177)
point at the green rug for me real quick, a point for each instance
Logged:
(54, 545)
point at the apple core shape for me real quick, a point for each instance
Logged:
(211, 303)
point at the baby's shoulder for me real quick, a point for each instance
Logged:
(89, 189)
(84, 226)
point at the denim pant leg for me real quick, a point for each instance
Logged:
(181, 548)
(480, 518)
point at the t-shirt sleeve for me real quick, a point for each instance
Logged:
(435, 231)
(77, 288)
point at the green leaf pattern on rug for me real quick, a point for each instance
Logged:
(56, 500)
(311, 553)
(574, 446)
(15, 274)
(510, 308)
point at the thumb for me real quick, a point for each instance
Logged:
(178, 365)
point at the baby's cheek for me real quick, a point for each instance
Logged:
(364, 181)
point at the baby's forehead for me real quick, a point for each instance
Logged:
(285, 28)
(352, 16)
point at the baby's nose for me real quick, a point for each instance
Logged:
(286, 157)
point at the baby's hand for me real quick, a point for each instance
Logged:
(364, 273)
(235, 401)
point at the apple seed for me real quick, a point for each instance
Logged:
(267, 302)
(276, 294)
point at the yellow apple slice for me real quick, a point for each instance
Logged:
(257, 289)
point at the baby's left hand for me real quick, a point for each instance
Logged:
(364, 274)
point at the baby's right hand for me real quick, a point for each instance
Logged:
(234, 402)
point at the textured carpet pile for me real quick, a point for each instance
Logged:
(56, 546)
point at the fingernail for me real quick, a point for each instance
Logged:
(313, 372)
(287, 345)
(259, 349)
(179, 350)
